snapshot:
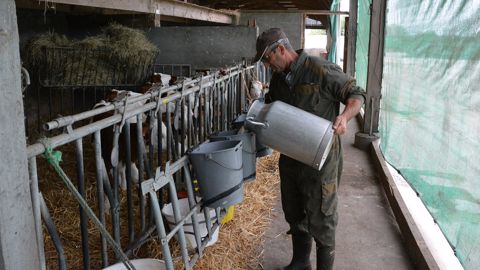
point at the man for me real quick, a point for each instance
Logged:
(309, 197)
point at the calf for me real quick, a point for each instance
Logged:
(113, 158)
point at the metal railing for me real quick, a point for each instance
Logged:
(189, 111)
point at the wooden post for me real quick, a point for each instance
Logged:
(18, 245)
(374, 76)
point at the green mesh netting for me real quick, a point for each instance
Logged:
(430, 111)
(332, 54)
(363, 36)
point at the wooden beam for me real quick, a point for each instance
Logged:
(416, 246)
(194, 12)
(159, 7)
(304, 11)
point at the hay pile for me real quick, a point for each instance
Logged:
(240, 241)
(119, 55)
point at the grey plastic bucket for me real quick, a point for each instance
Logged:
(248, 149)
(219, 171)
(260, 149)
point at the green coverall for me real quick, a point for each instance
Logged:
(309, 197)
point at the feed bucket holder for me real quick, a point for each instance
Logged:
(219, 170)
(184, 208)
(140, 264)
(248, 149)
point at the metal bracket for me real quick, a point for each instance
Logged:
(160, 180)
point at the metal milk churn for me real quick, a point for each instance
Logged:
(291, 131)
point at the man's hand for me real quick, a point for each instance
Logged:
(340, 125)
(352, 107)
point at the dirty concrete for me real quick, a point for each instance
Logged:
(367, 234)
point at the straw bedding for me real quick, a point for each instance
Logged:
(240, 242)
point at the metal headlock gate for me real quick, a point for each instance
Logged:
(206, 105)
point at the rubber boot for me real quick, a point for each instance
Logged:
(325, 258)
(302, 246)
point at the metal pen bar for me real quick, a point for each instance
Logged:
(214, 109)
(223, 108)
(208, 221)
(115, 203)
(169, 132)
(208, 111)
(37, 216)
(145, 236)
(100, 194)
(81, 191)
(167, 256)
(151, 147)
(182, 126)
(175, 131)
(202, 107)
(128, 175)
(140, 146)
(232, 101)
(189, 123)
(229, 99)
(177, 216)
(62, 264)
(192, 203)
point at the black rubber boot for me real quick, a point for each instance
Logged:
(302, 246)
(325, 258)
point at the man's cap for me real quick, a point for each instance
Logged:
(266, 39)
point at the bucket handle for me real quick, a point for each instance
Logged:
(209, 157)
(251, 119)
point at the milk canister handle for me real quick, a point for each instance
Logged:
(251, 121)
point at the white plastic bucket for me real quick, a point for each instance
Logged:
(167, 211)
(140, 264)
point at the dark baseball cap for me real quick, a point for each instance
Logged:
(266, 39)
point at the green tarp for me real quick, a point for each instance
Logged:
(430, 111)
(363, 35)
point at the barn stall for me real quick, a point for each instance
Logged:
(69, 17)
(134, 221)
(69, 76)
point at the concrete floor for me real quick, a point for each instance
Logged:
(367, 234)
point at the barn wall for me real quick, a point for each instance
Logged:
(204, 46)
(293, 24)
